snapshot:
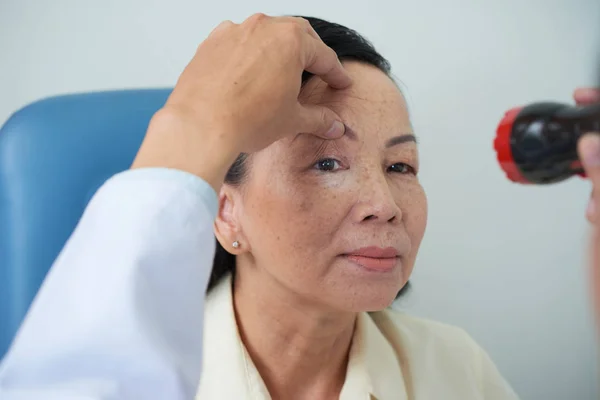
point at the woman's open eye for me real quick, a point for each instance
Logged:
(327, 165)
(402, 168)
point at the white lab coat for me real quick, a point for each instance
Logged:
(120, 314)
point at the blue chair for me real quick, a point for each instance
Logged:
(54, 154)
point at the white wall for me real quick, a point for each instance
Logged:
(505, 262)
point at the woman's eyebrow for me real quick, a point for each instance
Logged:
(396, 140)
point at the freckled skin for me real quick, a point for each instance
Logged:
(295, 221)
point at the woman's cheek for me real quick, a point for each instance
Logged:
(413, 203)
(325, 192)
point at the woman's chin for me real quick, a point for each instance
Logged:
(371, 300)
(374, 305)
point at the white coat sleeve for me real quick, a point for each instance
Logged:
(120, 314)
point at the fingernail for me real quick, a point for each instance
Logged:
(590, 150)
(336, 130)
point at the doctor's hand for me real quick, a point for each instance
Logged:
(589, 154)
(239, 94)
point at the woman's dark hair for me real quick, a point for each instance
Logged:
(349, 46)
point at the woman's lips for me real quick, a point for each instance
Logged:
(374, 258)
(374, 264)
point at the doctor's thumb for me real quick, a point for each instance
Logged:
(589, 154)
(321, 121)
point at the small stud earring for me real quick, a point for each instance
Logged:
(236, 244)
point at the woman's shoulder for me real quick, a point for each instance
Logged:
(421, 329)
(446, 354)
(421, 338)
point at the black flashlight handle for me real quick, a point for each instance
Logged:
(544, 140)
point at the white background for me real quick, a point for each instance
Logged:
(504, 261)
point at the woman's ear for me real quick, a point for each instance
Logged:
(227, 227)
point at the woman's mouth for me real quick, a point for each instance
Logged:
(375, 259)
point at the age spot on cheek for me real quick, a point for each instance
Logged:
(306, 205)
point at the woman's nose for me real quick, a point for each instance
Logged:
(376, 202)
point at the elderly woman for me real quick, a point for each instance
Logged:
(318, 221)
(313, 235)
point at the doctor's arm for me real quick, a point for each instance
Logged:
(120, 313)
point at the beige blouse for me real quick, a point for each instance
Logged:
(393, 356)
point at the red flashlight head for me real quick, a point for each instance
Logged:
(502, 145)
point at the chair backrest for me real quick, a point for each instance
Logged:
(54, 154)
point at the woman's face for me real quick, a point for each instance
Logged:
(337, 222)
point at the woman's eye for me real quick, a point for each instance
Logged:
(327, 164)
(402, 168)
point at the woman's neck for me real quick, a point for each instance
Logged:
(300, 350)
